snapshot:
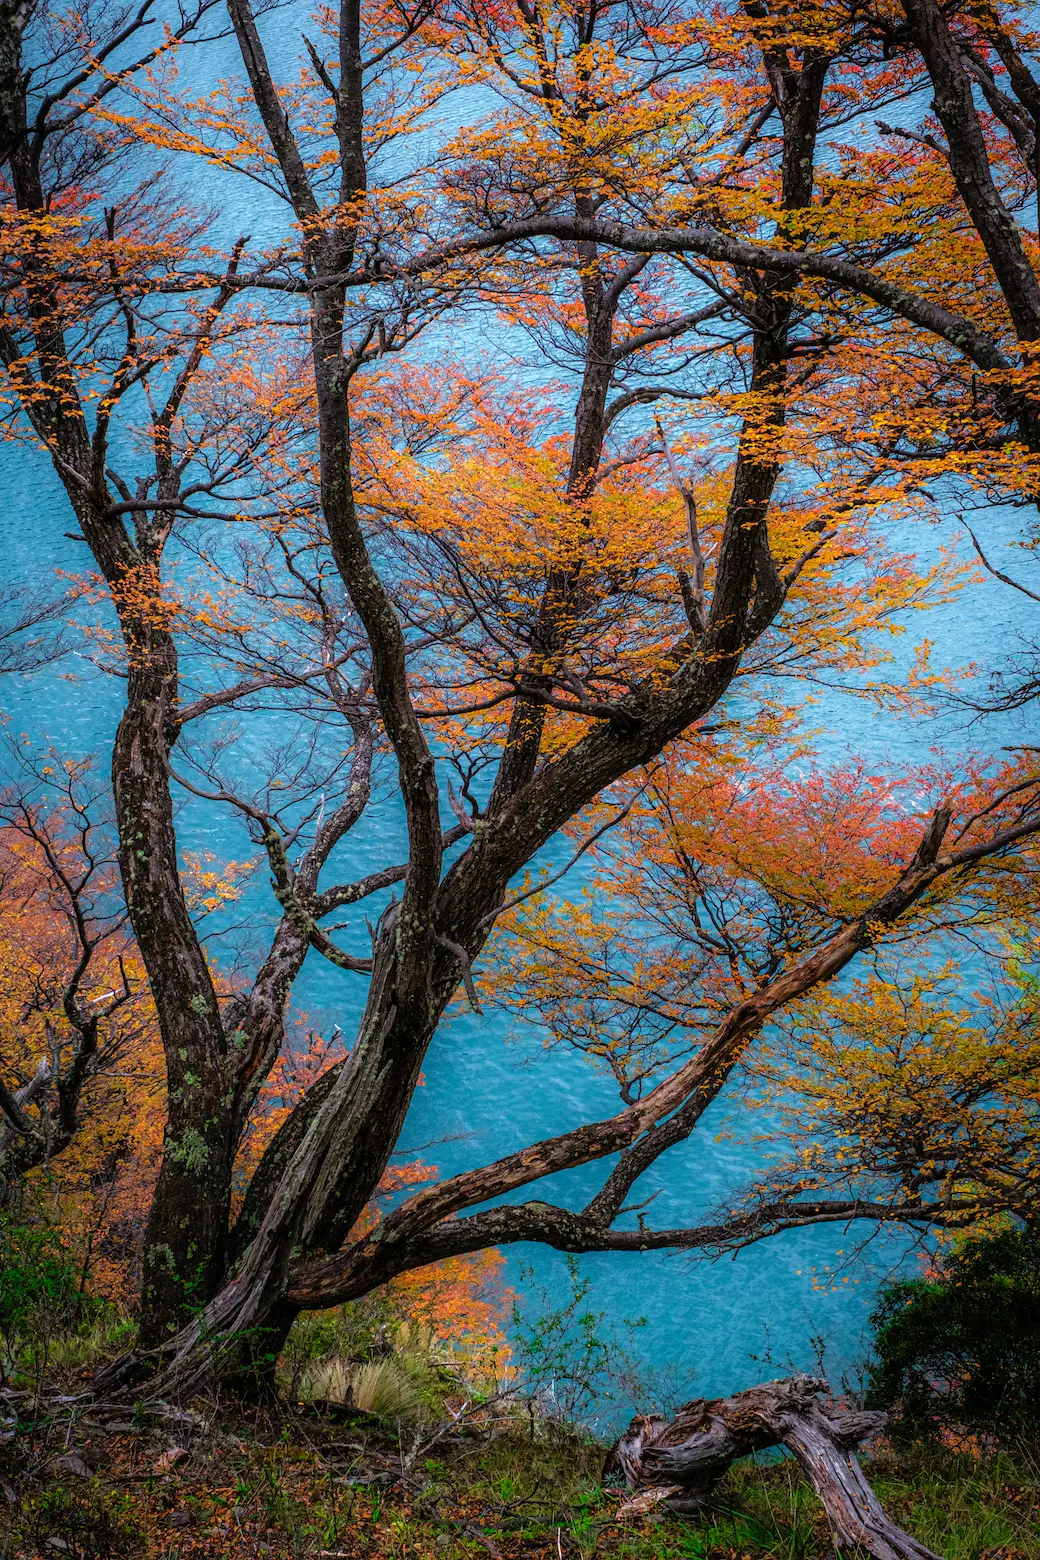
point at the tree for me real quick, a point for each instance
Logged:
(379, 553)
(82, 1083)
(79, 340)
(74, 996)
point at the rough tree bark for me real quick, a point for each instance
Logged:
(680, 1462)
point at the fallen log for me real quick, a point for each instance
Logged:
(679, 1462)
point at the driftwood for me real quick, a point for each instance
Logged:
(679, 1462)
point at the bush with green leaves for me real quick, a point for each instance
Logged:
(961, 1352)
(39, 1287)
(32, 1270)
(570, 1358)
(391, 1367)
(90, 1522)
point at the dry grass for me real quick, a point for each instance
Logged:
(372, 1386)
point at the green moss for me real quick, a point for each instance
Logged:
(160, 1252)
(192, 1151)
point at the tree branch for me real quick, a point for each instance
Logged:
(664, 1117)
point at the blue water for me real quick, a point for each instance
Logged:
(485, 1091)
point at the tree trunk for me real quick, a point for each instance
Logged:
(187, 1225)
(680, 1462)
(320, 1191)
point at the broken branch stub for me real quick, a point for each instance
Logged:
(679, 1462)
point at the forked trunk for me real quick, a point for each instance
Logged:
(679, 1462)
(323, 1189)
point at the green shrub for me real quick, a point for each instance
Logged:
(40, 1295)
(91, 1522)
(391, 1367)
(356, 1328)
(961, 1352)
(571, 1359)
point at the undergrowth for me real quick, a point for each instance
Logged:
(265, 1485)
(383, 1446)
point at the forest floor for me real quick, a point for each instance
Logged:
(240, 1484)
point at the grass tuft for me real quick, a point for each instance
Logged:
(374, 1386)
